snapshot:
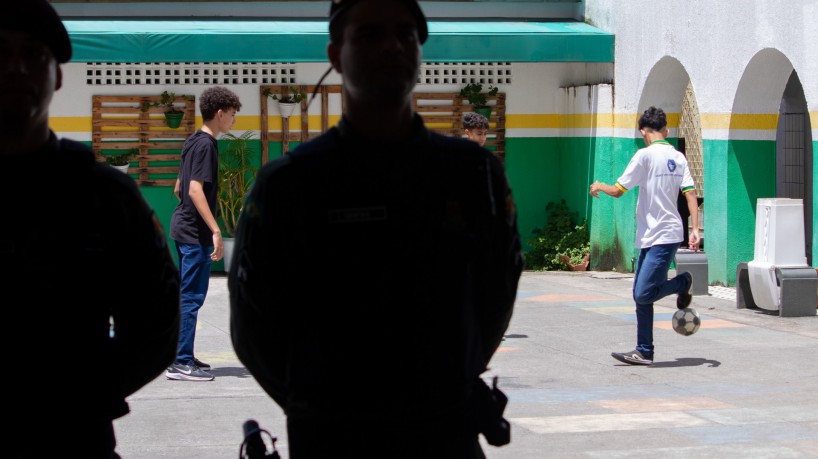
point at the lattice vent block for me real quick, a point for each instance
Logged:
(177, 73)
(461, 73)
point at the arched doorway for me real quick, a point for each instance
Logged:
(793, 151)
(669, 87)
(751, 153)
(690, 143)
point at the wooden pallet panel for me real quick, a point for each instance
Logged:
(119, 123)
(441, 112)
(303, 133)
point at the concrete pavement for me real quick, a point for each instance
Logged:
(744, 386)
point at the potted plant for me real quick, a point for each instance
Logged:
(286, 102)
(477, 98)
(574, 249)
(556, 238)
(122, 161)
(236, 174)
(173, 114)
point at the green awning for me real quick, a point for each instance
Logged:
(306, 41)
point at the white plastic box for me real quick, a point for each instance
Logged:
(779, 242)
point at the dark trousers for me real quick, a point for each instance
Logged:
(194, 271)
(650, 284)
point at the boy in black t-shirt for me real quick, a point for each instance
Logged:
(193, 226)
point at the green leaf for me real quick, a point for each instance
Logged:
(236, 175)
(560, 236)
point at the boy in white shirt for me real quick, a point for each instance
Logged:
(660, 172)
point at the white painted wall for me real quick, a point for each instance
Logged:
(533, 91)
(714, 40)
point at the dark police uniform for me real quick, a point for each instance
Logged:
(79, 246)
(372, 284)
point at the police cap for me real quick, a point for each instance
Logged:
(38, 19)
(341, 7)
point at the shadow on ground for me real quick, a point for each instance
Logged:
(686, 362)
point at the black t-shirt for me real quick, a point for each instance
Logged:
(200, 161)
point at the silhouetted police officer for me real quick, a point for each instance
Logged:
(91, 296)
(377, 265)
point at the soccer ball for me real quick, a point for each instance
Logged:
(686, 321)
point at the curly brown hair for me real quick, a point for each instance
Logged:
(217, 98)
(472, 121)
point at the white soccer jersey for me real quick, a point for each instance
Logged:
(660, 172)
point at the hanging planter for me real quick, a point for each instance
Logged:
(122, 161)
(286, 102)
(174, 119)
(168, 100)
(485, 111)
(477, 98)
(286, 108)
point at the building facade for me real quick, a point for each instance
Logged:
(738, 78)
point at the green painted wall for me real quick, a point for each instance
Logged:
(576, 164)
(750, 175)
(613, 222)
(737, 173)
(533, 176)
(715, 210)
(542, 170)
(163, 201)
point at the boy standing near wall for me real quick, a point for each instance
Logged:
(476, 127)
(193, 226)
(660, 172)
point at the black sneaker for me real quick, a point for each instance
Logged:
(200, 364)
(179, 372)
(633, 357)
(685, 298)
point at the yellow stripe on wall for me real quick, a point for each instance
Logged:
(581, 121)
(531, 121)
(70, 123)
(243, 123)
(754, 121)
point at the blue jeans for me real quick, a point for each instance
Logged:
(194, 270)
(650, 284)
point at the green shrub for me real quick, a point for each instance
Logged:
(236, 175)
(560, 236)
(574, 245)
